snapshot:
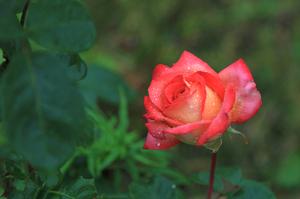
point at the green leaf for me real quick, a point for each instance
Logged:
(173, 174)
(123, 113)
(19, 185)
(15, 6)
(203, 179)
(50, 179)
(43, 112)
(232, 131)
(81, 189)
(222, 175)
(78, 68)
(288, 174)
(31, 191)
(100, 83)
(62, 25)
(9, 20)
(214, 145)
(232, 175)
(251, 189)
(160, 188)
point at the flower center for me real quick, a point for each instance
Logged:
(212, 104)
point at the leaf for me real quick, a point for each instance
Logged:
(9, 20)
(81, 189)
(108, 160)
(173, 174)
(288, 174)
(43, 112)
(78, 68)
(214, 145)
(105, 85)
(19, 185)
(222, 175)
(203, 179)
(160, 188)
(50, 179)
(233, 131)
(123, 113)
(15, 6)
(31, 191)
(62, 25)
(232, 175)
(251, 189)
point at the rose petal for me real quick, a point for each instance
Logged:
(214, 82)
(212, 105)
(221, 121)
(156, 129)
(160, 70)
(188, 63)
(189, 108)
(214, 93)
(156, 88)
(172, 88)
(190, 133)
(187, 128)
(248, 98)
(154, 114)
(160, 144)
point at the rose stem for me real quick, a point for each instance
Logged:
(212, 174)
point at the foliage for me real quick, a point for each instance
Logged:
(66, 128)
(80, 189)
(114, 143)
(108, 91)
(68, 29)
(160, 187)
(43, 112)
(229, 182)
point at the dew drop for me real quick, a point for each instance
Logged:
(158, 144)
(173, 186)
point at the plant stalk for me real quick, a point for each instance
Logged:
(212, 174)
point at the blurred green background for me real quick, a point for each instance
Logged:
(134, 36)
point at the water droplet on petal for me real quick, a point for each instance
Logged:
(158, 144)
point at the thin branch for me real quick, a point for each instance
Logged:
(212, 174)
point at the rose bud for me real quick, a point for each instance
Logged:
(191, 103)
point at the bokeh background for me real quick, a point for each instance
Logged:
(134, 36)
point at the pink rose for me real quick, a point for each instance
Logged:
(190, 102)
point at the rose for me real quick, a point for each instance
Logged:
(191, 103)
